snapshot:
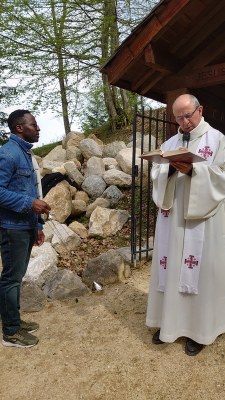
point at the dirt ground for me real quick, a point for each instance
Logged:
(98, 348)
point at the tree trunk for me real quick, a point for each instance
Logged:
(116, 105)
(58, 30)
(63, 96)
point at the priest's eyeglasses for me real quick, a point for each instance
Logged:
(186, 116)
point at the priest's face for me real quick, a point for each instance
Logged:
(186, 113)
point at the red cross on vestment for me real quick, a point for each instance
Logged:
(165, 213)
(163, 262)
(191, 261)
(206, 152)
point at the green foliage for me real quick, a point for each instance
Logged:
(48, 48)
(95, 113)
(103, 132)
(4, 131)
(53, 49)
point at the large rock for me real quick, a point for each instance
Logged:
(95, 166)
(60, 169)
(41, 268)
(56, 154)
(79, 229)
(106, 222)
(73, 152)
(65, 284)
(73, 192)
(48, 231)
(59, 198)
(78, 208)
(94, 186)
(45, 249)
(113, 194)
(112, 149)
(64, 239)
(105, 269)
(96, 139)
(51, 166)
(110, 163)
(124, 159)
(32, 297)
(73, 173)
(99, 202)
(144, 141)
(89, 148)
(81, 195)
(117, 178)
(72, 138)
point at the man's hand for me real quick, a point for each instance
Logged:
(40, 238)
(40, 207)
(184, 168)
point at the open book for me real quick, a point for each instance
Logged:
(163, 157)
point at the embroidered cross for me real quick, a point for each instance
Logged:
(206, 152)
(191, 262)
(165, 213)
(163, 262)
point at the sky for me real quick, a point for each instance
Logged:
(51, 128)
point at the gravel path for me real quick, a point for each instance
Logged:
(100, 349)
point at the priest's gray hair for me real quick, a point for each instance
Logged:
(194, 100)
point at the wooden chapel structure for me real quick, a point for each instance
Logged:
(178, 48)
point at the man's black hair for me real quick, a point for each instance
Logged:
(16, 118)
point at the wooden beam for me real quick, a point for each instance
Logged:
(157, 61)
(135, 85)
(210, 19)
(213, 49)
(134, 45)
(157, 76)
(209, 76)
(199, 78)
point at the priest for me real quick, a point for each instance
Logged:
(187, 285)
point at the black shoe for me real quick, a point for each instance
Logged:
(192, 348)
(155, 338)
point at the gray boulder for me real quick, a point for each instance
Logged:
(107, 268)
(65, 284)
(94, 186)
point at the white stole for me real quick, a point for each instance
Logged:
(193, 236)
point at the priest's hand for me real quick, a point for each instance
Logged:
(184, 168)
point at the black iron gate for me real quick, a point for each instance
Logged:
(150, 130)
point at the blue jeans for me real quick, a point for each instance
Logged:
(16, 246)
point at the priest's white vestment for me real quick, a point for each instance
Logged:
(199, 198)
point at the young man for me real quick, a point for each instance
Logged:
(20, 223)
(187, 289)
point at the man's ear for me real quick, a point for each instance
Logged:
(19, 128)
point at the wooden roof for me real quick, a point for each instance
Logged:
(180, 45)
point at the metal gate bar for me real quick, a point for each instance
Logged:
(153, 124)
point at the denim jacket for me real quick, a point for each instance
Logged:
(18, 186)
